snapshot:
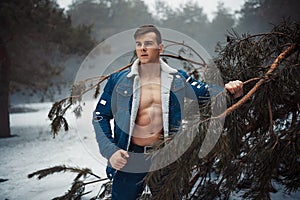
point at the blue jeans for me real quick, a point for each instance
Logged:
(127, 186)
(128, 183)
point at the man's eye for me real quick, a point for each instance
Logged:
(148, 43)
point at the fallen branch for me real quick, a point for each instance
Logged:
(78, 186)
(290, 50)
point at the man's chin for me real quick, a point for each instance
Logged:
(144, 60)
(148, 62)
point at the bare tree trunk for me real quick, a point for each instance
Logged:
(4, 91)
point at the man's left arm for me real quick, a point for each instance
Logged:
(196, 90)
(203, 91)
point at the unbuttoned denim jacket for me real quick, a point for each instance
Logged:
(120, 101)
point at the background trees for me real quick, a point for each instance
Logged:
(34, 36)
(109, 17)
(259, 148)
(262, 15)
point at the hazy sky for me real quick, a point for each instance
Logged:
(209, 6)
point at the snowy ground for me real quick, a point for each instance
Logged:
(33, 148)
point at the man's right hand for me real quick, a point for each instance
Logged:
(119, 159)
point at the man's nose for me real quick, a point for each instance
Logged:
(143, 47)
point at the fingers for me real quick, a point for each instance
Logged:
(118, 166)
(236, 83)
(119, 159)
(233, 85)
(124, 153)
(235, 88)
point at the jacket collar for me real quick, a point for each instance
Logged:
(164, 67)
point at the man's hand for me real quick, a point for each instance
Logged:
(235, 88)
(118, 159)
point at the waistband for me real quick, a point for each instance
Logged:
(140, 149)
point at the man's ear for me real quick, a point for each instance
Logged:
(161, 48)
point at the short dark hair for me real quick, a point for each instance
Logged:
(147, 29)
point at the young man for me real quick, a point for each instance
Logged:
(139, 100)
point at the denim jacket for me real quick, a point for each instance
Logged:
(120, 102)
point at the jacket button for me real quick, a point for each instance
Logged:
(125, 92)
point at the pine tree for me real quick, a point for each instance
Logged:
(259, 145)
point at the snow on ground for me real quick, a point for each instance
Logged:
(33, 148)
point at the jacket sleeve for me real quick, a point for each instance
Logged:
(101, 121)
(200, 90)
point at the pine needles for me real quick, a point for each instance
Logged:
(77, 189)
(259, 145)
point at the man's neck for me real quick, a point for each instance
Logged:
(150, 70)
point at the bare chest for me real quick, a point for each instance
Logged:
(150, 93)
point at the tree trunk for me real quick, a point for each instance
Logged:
(4, 91)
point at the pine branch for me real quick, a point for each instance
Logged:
(184, 59)
(58, 169)
(270, 117)
(286, 53)
(78, 186)
(57, 112)
(75, 193)
(260, 141)
(268, 34)
(290, 50)
(204, 64)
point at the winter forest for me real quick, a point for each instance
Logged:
(47, 145)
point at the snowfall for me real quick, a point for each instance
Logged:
(33, 148)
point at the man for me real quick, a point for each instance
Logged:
(144, 102)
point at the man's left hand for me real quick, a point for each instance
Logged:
(235, 88)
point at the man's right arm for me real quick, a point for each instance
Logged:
(101, 122)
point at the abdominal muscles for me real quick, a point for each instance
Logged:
(148, 125)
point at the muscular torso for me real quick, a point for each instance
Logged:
(148, 125)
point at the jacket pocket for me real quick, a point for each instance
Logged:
(124, 95)
(124, 90)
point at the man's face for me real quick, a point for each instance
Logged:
(147, 48)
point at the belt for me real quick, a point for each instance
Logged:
(140, 149)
